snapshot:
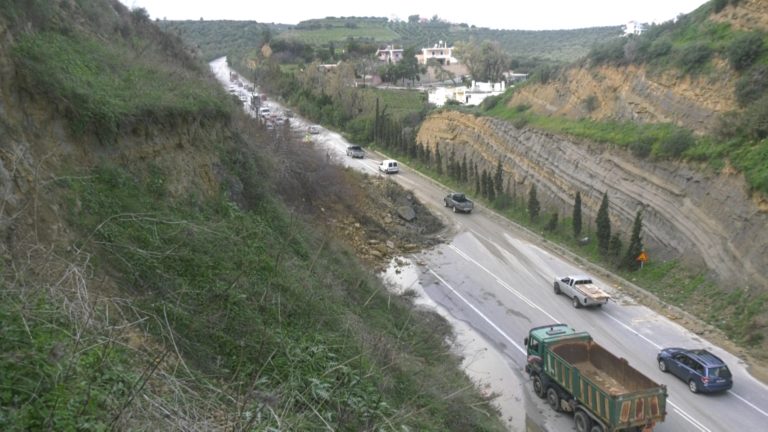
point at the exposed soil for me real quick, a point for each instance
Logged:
(388, 221)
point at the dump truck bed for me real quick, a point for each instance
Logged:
(617, 393)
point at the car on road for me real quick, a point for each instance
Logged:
(702, 370)
(314, 129)
(355, 151)
(582, 291)
(389, 166)
(459, 202)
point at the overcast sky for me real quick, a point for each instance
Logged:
(512, 15)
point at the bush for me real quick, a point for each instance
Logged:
(693, 56)
(676, 143)
(745, 50)
(520, 122)
(751, 86)
(642, 147)
(755, 120)
(490, 102)
(543, 74)
(611, 52)
(658, 49)
(591, 103)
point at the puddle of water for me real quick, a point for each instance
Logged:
(487, 367)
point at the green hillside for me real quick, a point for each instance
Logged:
(157, 274)
(217, 38)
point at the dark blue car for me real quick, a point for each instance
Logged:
(702, 370)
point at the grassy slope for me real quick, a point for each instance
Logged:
(275, 324)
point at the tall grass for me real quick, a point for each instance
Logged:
(105, 88)
(256, 298)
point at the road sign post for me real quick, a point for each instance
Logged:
(643, 257)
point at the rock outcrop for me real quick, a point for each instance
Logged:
(702, 218)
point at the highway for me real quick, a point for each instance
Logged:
(493, 280)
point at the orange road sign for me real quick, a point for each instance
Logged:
(643, 257)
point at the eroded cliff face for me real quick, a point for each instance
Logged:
(634, 94)
(702, 218)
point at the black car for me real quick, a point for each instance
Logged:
(355, 151)
(702, 370)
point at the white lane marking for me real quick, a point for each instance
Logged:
(477, 311)
(502, 283)
(749, 403)
(535, 306)
(688, 417)
(631, 330)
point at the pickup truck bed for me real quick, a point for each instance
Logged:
(592, 291)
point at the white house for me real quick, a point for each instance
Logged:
(440, 52)
(472, 95)
(390, 54)
(634, 27)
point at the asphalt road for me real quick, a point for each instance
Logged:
(495, 280)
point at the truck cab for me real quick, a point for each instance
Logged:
(538, 337)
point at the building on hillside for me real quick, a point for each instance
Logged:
(389, 54)
(512, 77)
(441, 52)
(634, 28)
(472, 95)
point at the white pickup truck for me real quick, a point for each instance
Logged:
(581, 290)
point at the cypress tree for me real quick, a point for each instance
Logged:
(635, 244)
(484, 183)
(463, 173)
(438, 161)
(491, 189)
(577, 215)
(552, 222)
(614, 249)
(533, 204)
(477, 185)
(498, 179)
(603, 223)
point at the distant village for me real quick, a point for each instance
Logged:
(470, 92)
(442, 92)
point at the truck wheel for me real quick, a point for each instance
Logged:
(538, 387)
(557, 289)
(575, 302)
(553, 399)
(596, 428)
(582, 421)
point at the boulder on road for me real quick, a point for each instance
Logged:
(407, 213)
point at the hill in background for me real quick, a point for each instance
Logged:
(218, 38)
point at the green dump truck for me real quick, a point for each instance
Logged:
(604, 393)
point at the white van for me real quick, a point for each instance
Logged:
(389, 166)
